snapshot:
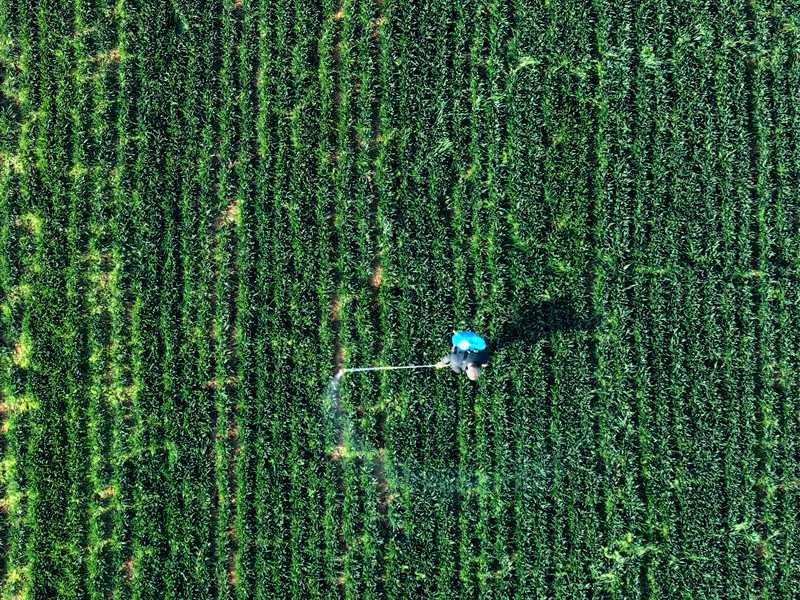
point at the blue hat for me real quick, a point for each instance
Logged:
(468, 341)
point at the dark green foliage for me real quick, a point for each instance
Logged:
(207, 206)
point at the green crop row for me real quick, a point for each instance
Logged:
(18, 238)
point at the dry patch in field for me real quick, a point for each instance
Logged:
(339, 357)
(338, 15)
(377, 277)
(339, 452)
(215, 384)
(336, 309)
(127, 568)
(110, 56)
(230, 216)
(107, 492)
(21, 353)
(376, 25)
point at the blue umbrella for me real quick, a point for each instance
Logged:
(468, 341)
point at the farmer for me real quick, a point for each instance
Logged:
(468, 354)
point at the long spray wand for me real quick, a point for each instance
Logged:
(362, 369)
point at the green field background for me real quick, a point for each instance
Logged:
(205, 206)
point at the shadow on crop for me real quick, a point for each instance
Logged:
(540, 320)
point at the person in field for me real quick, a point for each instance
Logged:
(468, 355)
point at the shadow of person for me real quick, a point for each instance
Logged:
(540, 320)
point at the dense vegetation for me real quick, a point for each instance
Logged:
(206, 205)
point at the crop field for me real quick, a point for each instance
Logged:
(207, 206)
